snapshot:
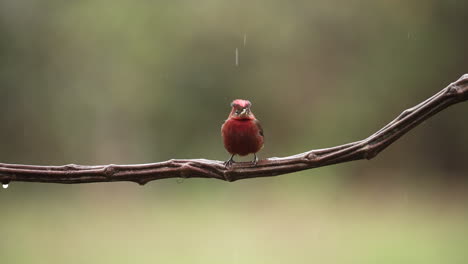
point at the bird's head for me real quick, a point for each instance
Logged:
(241, 110)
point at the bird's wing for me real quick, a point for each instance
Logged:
(260, 129)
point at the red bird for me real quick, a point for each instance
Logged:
(242, 133)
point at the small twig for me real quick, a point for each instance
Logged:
(142, 173)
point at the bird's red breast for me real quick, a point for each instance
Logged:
(242, 136)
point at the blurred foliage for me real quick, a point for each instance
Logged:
(96, 82)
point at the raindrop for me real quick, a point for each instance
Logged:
(245, 39)
(5, 185)
(237, 57)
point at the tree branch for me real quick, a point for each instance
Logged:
(142, 173)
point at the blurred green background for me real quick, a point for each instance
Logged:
(98, 82)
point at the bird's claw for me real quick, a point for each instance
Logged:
(228, 163)
(255, 161)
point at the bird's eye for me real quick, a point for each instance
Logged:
(237, 112)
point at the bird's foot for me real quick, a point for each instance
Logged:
(229, 162)
(255, 161)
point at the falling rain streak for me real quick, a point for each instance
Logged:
(237, 50)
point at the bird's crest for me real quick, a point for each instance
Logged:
(241, 103)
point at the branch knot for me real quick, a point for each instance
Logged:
(110, 170)
(369, 151)
(311, 156)
(459, 88)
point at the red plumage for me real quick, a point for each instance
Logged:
(242, 133)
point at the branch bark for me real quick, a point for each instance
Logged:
(189, 168)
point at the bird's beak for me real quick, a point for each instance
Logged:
(244, 113)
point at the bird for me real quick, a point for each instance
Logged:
(242, 133)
